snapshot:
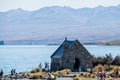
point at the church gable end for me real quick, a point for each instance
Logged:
(73, 55)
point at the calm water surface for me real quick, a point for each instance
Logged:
(26, 57)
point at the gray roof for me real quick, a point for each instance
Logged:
(59, 52)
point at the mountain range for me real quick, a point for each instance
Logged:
(52, 24)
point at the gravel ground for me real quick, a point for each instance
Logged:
(45, 79)
(65, 78)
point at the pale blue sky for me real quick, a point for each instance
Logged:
(31, 5)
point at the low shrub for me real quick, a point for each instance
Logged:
(95, 69)
(112, 67)
(68, 71)
(65, 72)
(35, 70)
(88, 70)
(100, 67)
(76, 77)
(36, 76)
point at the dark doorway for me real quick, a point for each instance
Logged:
(76, 64)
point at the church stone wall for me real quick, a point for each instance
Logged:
(71, 52)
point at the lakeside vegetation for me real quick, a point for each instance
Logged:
(107, 59)
(37, 73)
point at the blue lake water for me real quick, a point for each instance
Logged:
(26, 57)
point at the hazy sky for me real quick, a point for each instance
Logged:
(31, 5)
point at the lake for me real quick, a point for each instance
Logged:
(27, 57)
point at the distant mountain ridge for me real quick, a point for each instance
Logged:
(113, 42)
(55, 23)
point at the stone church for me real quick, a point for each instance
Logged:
(71, 55)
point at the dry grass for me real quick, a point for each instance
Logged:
(76, 77)
(65, 72)
(36, 73)
(96, 79)
(35, 70)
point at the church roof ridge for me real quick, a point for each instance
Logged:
(58, 53)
